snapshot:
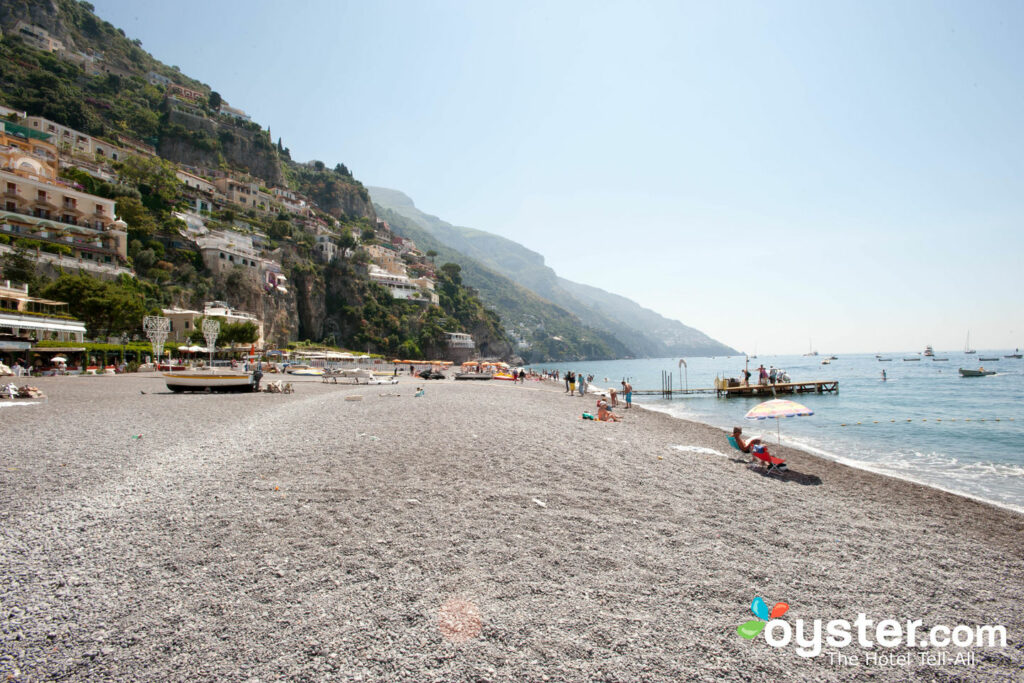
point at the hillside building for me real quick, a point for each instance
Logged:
(183, 321)
(81, 228)
(25, 319)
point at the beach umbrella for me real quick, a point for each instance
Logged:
(195, 348)
(183, 348)
(777, 409)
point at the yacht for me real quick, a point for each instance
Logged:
(929, 351)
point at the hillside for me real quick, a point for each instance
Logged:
(642, 331)
(546, 332)
(189, 176)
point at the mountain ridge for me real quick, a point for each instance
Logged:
(645, 332)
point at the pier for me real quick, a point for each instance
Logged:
(829, 386)
(770, 390)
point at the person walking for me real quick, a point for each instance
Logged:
(567, 374)
(583, 385)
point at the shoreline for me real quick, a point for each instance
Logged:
(863, 466)
(480, 532)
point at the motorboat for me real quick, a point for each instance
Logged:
(303, 370)
(210, 379)
(885, 360)
(929, 351)
(911, 359)
(939, 360)
(827, 361)
(989, 359)
(980, 372)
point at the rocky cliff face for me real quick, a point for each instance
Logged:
(200, 141)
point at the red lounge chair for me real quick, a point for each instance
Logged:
(762, 454)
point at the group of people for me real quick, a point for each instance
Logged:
(766, 377)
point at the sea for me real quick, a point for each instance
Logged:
(923, 422)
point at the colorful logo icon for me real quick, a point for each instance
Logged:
(759, 607)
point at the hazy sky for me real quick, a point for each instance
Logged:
(847, 174)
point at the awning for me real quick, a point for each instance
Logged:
(70, 326)
(15, 346)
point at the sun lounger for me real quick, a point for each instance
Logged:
(762, 454)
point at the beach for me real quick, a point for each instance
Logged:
(480, 532)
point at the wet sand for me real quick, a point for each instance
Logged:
(481, 532)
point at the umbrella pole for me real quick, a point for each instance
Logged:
(778, 430)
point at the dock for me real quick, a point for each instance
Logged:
(830, 386)
(770, 390)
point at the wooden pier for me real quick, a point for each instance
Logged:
(829, 386)
(763, 390)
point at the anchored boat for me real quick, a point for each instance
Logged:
(980, 372)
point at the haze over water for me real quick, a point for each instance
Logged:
(924, 423)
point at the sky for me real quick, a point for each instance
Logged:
(845, 176)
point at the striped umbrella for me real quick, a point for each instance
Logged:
(777, 409)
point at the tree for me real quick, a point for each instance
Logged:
(106, 308)
(431, 254)
(139, 219)
(214, 101)
(17, 266)
(453, 272)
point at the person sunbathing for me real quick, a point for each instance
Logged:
(604, 414)
(744, 446)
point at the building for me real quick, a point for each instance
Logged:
(401, 287)
(386, 258)
(234, 112)
(158, 79)
(461, 346)
(71, 141)
(58, 218)
(201, 193)
(25, 319)
(244, 193)
(38, 37)
(222, 251)
(325, 249)
(183, 322)
(187, 94)
(291, 201)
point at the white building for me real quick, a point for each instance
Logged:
(183, 321)
(24, 319)
(401, 287)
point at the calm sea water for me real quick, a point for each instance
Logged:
(924, 423)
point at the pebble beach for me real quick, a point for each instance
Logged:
(482, 532)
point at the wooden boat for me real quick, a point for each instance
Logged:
(210, 379)
(980, 372)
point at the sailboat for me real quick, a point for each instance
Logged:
(809, 351)
(967, 344)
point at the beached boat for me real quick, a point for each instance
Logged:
(928, 351)
(303, 370)
(980, 372)
(210, 379)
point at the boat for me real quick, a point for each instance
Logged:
(980, 372)
(911, 359)
(303, 370)
(967, 344)
(928, 351)
(989, 359)
(885, 360)
(1014, 355)
(833, 357)
(827, 361)
(810, 351)
(938, 360)
(211, 379)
